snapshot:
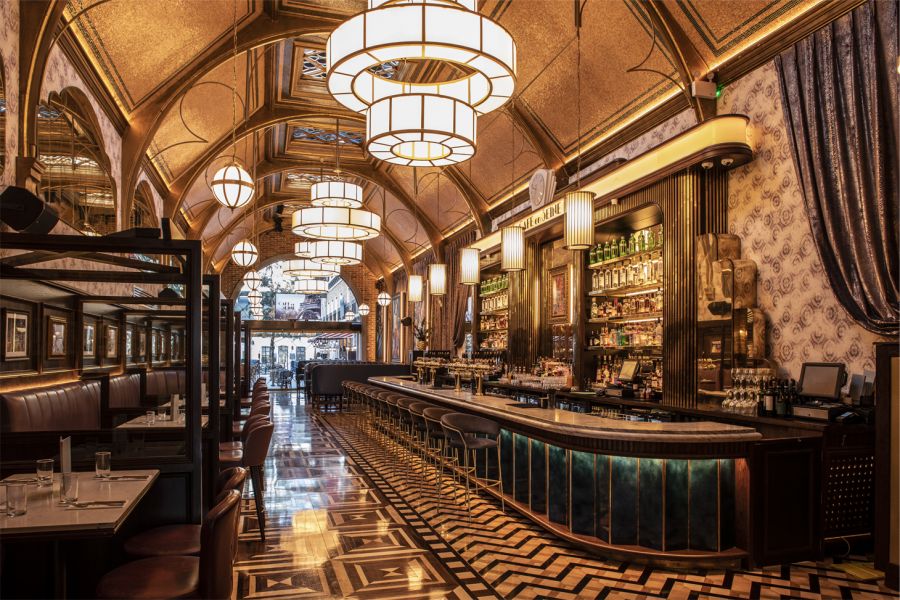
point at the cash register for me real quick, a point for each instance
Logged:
(628, 376)
(820, 392)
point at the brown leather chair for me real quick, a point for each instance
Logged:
(207, 576)
(252, 456)
(182, 539)
(237, 445)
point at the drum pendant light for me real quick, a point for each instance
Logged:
(310, 286)
(579, 208)
(330, 252)
(469, 272)
(414, 288)
(437, 279)
(512, 248)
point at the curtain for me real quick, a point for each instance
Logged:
(839, 92)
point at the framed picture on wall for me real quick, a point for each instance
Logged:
(142, 344)
(89, 341)
(129, 344)
(396, 331)
(112, 341)
(154, 345)
(559, 295)
(57, 336)
(15, 335)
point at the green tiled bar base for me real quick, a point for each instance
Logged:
(655, 503)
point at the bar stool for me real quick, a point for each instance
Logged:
(419, 438)
(183, 539)
(209, 575)
(435, 444)
(462, 431)
(252, 456)
(405, 428)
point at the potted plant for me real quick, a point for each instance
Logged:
(421, 335)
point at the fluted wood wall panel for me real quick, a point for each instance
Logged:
(524, 316)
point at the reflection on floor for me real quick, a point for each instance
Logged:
(347, 519)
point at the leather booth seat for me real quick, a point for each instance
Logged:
(67, 407)
(325, 381)
(165, 382)
(125, 391)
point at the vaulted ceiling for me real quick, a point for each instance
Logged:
(170, 66)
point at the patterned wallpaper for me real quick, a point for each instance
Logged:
(765, 208)
(9, 63)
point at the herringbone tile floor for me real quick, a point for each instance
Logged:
(350, 516)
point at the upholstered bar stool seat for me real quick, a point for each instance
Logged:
(208, 576)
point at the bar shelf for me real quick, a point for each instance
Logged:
(618, 259)
(632, 290)
(635, 318)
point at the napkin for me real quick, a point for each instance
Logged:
(65, 455)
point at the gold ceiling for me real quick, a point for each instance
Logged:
(628, 69)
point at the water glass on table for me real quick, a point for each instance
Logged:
(151, 417)
(45, 472)
(16, 499)
(68, 488)
(161, 414)
(102, 464)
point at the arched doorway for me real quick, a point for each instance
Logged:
(290, 326)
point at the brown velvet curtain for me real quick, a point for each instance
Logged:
(449, 313)
(839, 91)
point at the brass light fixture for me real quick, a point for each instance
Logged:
(363, 310)
(579, 207)
(383, 299)
(252, 279)
(469, 268)
(512, 248)
(437, 279)
(244, 253)
(414, 288)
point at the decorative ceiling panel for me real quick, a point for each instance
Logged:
(203, 116)
(446, 211)
(491, 171)
(397, 219)
(199, 197)
(718, 30)
(136, 46)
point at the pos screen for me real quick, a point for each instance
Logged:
(822, 380)
(629, 370)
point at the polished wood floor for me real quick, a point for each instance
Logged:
(352, 517)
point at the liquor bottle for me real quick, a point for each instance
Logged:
(595, 310)
(768, 400)
(659, 237)
(605, 253)
(622, 246)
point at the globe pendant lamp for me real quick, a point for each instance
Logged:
(256, 312)
(310, 286)
(332, 223)
(469, 272)
(383, 299)
(255, 296)
(244, 253)
(414, 288)
(437, 279)
(232, 186)
(349, 315)
(579, 208)
(330, 252)
(340, 194)
(252, 279)
(512, 248)
(363, 310)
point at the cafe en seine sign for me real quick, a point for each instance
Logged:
(529, 222)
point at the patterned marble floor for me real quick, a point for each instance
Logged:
(351, 518)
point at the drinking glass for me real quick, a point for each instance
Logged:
(160, 414)
(45, 472)
(68, 488)
(16, 499)
(151, 417)
(181, 413)
(102, 464)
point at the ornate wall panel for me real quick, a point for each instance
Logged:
(9, 62)
(765, 207)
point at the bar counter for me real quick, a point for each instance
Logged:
(669, 493)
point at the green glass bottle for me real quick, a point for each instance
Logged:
(623, 246)
(606, 255)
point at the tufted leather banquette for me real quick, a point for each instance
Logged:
(125, 391)
(68, 407)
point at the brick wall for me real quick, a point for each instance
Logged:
(275, 246)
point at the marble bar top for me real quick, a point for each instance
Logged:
(568, 423)
(45, 515)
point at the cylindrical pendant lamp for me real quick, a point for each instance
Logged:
(512, 248)
(414, 288)
(579, 220)
(437, 279)
(469, 268)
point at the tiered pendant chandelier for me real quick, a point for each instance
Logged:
(421, 124)
(340, 194)
(333, 223)
(330, 252)
(302, 249)
(306, 269)
(310, 286)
